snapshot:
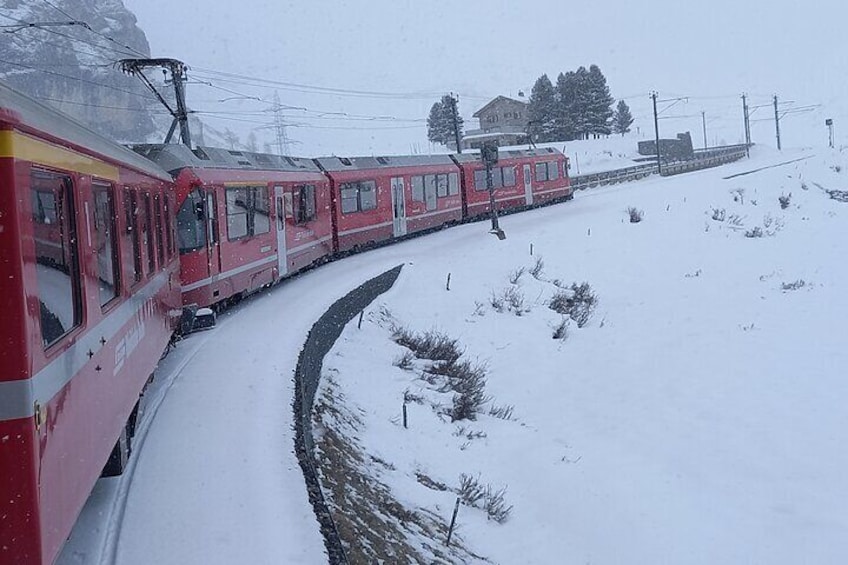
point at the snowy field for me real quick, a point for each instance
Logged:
(698, 417)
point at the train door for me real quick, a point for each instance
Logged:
(282, 258)
(528, 187)
(213, 246)
(398, 207)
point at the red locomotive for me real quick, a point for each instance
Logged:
(90, 295)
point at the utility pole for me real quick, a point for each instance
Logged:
(747, 125)
(455, 117)
(280, 127)
(704, 122)
(180, 113)
(489, 155)
(657, 132)
(776, 122)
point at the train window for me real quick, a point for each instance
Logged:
(541, 172)
(132, 233)
(547, 171)
(442, 185)
(508, 176)
(212, 218)
(247, 211)
(480, 179)
(147, 234)
(453, 184)
(305, 204)
(160, 233)
(358, 196)
(169, 228)
(106, 244)
(191, 223)
(418, 189)
(57, 260)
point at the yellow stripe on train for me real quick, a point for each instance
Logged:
(25, 148)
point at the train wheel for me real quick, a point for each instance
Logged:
(120, 456)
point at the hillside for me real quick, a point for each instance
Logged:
(697, 416)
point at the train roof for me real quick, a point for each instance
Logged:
(175, 156)
(508, 153)
(336, 164)
(19, 109)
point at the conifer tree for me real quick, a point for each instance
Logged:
(440, 122)
(542, 110)
(599, 106)
(563, 118)
(622, 118)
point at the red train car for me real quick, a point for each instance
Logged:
(245, 219)
(89, 295)
(380, 198)
(522, 178)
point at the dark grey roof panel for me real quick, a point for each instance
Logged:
(173, 157)
(43, 118)
(335, 164)
(511, 153)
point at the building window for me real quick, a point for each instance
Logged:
(247, 211)
(57, 259)
(358, 196)
(106, 244)
(547, 171)
(304, 203)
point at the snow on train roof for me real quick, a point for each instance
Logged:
(507, 152)
(334, 164)
(33, 114)
(175, 156)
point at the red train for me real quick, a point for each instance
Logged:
(90, 297)
(102, 247)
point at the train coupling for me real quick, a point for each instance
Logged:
(195, 319)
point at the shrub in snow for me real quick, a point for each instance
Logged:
(635, 215)
(404, 361)
(510, 299)
(578, 303)
(561, 331)
(738, 195)
(837, 168)
(538, 268)
(428, 345)
(756, 231)
(474, 493)
(719, 214)
(496, 506)
(470, 386)
(784, 200)
(793, 285)
(503, 412)
(838, 195)
(516, 275)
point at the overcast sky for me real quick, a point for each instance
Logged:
(710, 52)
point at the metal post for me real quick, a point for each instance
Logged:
(489, 186)
(776, 122)
(453, 521)
(657, 132)
(747, 125)
(704, 122)
(455, 124)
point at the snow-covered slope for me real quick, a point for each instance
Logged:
(698, 417)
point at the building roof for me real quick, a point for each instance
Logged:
(507, 153)
(495, 100)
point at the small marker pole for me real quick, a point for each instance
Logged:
(359, 325)
(404, 415)
(453, 521)
(447, 285)
(531, 250)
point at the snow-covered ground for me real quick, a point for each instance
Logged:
(698, 418)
